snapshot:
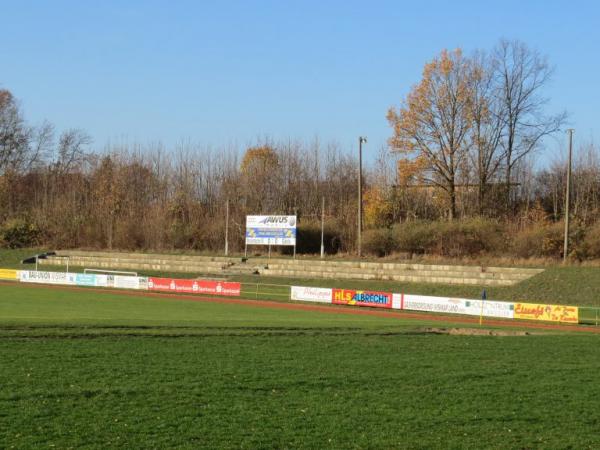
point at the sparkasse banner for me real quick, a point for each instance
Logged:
(226, 288)
(271, 230)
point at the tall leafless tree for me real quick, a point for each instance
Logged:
(522, 74)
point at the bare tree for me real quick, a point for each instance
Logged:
(72, 149)
(488, 115)
(522, 73)
(14, 134)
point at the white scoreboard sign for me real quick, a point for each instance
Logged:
(271, 230)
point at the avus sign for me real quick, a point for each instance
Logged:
(271, 230)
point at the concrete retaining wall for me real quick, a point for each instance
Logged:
(362, 270)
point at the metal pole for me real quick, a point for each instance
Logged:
(483, 299)
(568, 197)
(296, 240)
(361, 139)
(227, 227)
(322, 227)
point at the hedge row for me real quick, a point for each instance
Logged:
(467, 238)
(478, 237)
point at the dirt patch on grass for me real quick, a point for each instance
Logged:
(476, 332)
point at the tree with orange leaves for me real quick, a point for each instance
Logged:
(379, 208)
(260, 176)
(431, 129)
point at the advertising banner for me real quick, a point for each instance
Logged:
(271, 230)
(258, 236)
(101, 280)
(125, 282)
(143, 283)
(464, 306)
(91, 279)
(491, 308)
(210, 287)
(550, 313)
(397, 301)
(32, 276)
(434, 304)
(362, 298)
(85, 279)
(8, 274)
(311, 294)
(72, 279)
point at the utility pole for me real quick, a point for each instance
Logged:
(361, 140)
(323, 227)
(568, 196)
(227, 227)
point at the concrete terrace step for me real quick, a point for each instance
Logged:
(144, 256)
(158, 268)
(401, 278)
(333, 265)
(90, 260)
(299, 262)
(299, 268)
(427, 273)
(172, 266)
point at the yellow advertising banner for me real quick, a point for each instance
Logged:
(8, 274)
(550, 313)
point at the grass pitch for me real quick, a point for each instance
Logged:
(99, 370)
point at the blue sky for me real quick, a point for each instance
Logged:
(230, 72)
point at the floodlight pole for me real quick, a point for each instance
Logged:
(568, 196)
(296, 240)
(361, 140)
(227, 227)
(323, 227)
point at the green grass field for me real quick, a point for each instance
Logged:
(103, 370)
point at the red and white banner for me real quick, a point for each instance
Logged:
(209, 287)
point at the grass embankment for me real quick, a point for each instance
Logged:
(98, 370)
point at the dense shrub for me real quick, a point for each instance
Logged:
(592, 241)
(415, 237)
(380, 241)
(459, 238)
(18, 233)
(540, 240)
